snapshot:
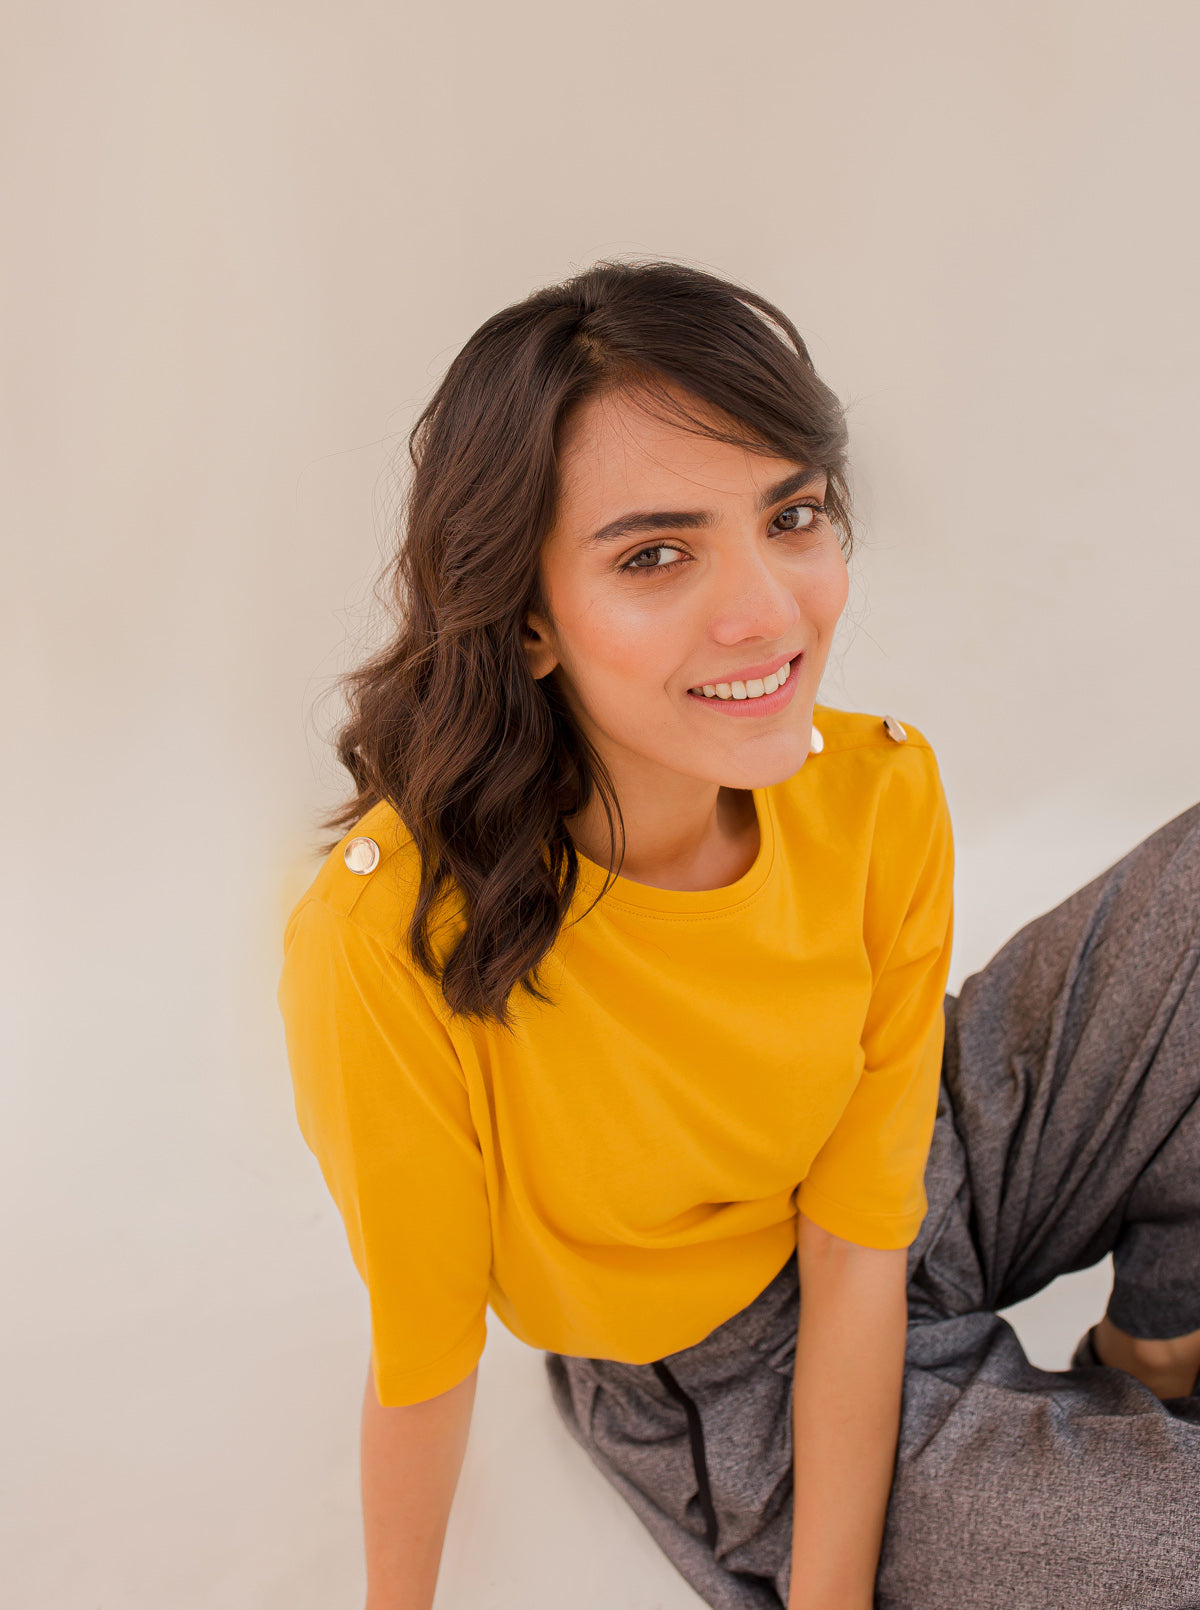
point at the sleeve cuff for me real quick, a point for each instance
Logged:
(886, 1231)
(397, 1387)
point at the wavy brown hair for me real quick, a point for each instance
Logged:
(446, 722)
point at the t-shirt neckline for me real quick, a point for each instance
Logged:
(629, 893)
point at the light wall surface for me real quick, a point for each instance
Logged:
(244, 241)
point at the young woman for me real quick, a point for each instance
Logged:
(620, 1007)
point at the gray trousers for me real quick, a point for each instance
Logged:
(1068, 1127)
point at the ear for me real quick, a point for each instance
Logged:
(535, 640)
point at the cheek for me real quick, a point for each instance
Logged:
(628, 645)
(826, 592)
(623, 649)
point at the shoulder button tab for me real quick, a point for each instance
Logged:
(894, 730)
(361, 855)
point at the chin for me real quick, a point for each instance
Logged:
(761, 771)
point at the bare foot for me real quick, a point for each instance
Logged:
(1169, 1367)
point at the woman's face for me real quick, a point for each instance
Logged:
(677, 562)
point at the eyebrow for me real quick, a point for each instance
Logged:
(691, 519)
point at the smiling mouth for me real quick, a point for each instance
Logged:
(756, 688)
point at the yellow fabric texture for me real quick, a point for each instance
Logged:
(623, 1174)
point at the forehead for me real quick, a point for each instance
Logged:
(617, 453)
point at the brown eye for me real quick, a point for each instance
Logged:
(658, 548)
(809, 509)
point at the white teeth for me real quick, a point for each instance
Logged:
(748, 690)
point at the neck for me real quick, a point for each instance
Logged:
(695, 835)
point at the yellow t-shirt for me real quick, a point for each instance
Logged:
(623, 1174)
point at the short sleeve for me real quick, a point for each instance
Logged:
(382, 1103)
(867, 1183)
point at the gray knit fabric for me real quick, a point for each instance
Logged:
(1068, 1127)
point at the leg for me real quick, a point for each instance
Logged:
(1070, 1128)
(1073, 1068)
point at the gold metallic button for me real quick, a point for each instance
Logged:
(361, 856)
(816, 742)
(895, 730)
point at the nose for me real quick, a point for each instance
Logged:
(751, 597)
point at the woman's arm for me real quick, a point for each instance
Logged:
(411, 1459)
(846, 1414)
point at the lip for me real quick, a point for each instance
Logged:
(767, 705)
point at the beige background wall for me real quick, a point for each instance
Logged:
(244, 239)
